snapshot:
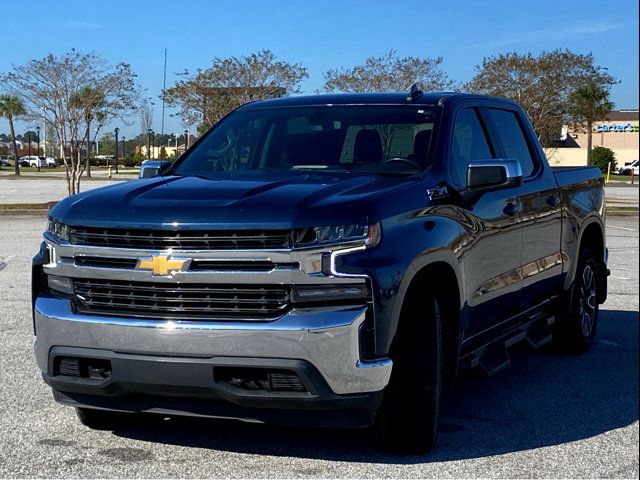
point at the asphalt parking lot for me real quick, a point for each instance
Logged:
(548, 415)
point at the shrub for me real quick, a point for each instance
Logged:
(601, 156)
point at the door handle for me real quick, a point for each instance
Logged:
(511, 208)
(553, 200)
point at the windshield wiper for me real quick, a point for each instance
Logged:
(321, 168)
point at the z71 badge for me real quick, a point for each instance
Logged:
(438, 192)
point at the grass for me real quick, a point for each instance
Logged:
(615, 178)
(12, 207)
(622, 211)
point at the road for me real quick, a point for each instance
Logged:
(42, 190)
(548, 415)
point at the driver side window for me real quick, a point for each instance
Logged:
(469, 143)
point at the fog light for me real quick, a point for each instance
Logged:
(330, 293)
(60, 284)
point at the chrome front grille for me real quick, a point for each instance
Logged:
(182, 240)
(204, 265)
(178, 301)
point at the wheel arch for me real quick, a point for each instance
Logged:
(592, 237)
(439, 273)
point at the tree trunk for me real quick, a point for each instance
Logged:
(589, 141)
(15, 147)
(88, 165)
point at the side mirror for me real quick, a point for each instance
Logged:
(494, 173)
(164, 168)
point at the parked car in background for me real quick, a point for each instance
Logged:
(33, 161)
(50, 161)
(151, 168)
(4, 161)
(629, 168)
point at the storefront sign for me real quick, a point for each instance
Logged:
(616, 128)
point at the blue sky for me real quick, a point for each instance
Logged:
(320, 35)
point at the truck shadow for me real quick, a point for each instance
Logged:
(543, 399)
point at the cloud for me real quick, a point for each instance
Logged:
(84, 25)
(574, 31)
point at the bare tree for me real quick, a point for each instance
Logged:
(56, 90)
(146, 117)
(210, 94)
(540, 84)
(389, 73)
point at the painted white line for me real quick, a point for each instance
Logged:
(622, 228)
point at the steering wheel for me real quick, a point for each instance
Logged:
(402, 159)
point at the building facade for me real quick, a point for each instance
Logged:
(618, 131)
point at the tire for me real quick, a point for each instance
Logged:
(102, 419)
(407, 421)
(576, 332)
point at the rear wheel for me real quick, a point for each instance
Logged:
(576, 332)
(408, 418)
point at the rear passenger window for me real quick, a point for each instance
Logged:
(512, 138)
(469, 143)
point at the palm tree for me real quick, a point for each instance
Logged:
(10, 107)
(587, 105)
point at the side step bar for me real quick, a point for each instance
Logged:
(493, 357)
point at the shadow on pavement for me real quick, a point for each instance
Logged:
(543, 399)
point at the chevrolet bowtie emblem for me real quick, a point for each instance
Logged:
(163, 265)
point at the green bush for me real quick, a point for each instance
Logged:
(601, 156)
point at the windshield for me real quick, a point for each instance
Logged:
(375, 139)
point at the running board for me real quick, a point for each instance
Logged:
(493, 357)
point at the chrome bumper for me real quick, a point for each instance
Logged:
(326, 338)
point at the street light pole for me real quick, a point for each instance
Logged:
(186, 140)
(116, 131)
(38, 154)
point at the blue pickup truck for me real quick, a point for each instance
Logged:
(323, 260)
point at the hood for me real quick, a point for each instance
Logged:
(245, 200)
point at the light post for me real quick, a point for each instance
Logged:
(97, 141)
(124, 155)
(38, 155)
(186, 140)
(116, 131)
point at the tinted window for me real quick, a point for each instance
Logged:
(512, 138)
(376, 139)
(469, 143)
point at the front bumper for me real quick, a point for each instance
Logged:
(178, 356)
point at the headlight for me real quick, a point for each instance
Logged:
(366, 234)
(58, 230)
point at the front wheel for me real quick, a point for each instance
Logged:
(408, 418)
(576, 332)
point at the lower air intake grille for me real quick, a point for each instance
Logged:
(181, 301)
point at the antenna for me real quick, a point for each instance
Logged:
(164, 88)
(414, 94)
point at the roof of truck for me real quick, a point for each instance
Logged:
(431, 98)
